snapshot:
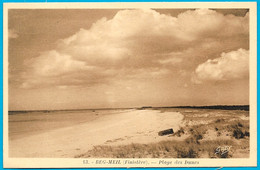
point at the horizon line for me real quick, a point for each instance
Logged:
(137, 107)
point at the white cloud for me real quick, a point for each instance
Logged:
(231, 65)
(135, 39)
(209, 23)
(53, 63)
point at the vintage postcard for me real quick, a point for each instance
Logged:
(130, 85)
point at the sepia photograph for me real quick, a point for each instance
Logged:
(130, 84)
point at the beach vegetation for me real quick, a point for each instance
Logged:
(163, 149)
(213, 137)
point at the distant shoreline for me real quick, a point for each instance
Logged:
(220, 107)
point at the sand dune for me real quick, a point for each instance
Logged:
(133, 126)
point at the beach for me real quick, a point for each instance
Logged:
(130, 133)
(73, 137)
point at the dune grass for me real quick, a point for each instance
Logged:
(164, 149)
(232, 136)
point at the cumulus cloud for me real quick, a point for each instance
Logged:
(231, 65)
(135, 40)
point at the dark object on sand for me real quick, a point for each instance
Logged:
(165, 132)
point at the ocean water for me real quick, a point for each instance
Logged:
(25, 123)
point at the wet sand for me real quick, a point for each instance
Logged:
(70, 136)
(36, 122)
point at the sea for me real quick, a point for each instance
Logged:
(26, 123)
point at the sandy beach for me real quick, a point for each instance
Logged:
(129, 126)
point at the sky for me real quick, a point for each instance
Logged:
(121, 58)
